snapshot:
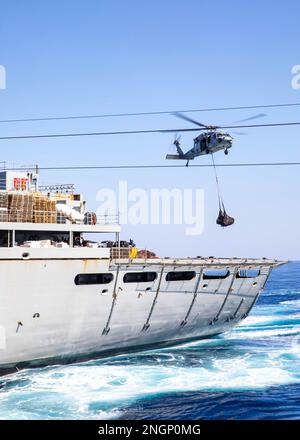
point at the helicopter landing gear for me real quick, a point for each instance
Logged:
(226, 152)
(187, 164)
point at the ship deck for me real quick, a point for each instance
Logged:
(201, 261)
(61, 227)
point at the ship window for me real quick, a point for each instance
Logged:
(215, 274)
(180, 276)
(93, 278)
(248, 273)
(139, 277)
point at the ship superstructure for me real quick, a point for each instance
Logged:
(65, 296)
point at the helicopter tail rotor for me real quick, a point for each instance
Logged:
(177, 144)
(177, 140)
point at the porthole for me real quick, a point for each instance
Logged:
(180, 276)
(139, 277)
(217, 274)
(248, 273)
(93, 278)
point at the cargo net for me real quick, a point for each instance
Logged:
(223, 218)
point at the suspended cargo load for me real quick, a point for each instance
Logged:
(224, 219)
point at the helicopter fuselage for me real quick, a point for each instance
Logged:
(210, 142)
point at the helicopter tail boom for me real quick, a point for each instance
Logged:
(175, 157)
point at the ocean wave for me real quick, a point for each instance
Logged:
(103, 390)
(294, 303)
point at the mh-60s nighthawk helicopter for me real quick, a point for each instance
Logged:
(208, 142)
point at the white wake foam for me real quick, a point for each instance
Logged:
(295, 303)
(101, 390)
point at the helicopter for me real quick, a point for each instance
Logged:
(210, 141)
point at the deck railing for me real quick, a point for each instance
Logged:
(54, 217)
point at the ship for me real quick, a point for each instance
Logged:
(66, 297)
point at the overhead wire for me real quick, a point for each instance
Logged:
(172, 130)
(110, 167)
(118, 115)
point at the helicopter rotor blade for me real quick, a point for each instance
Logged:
(258, 116)
(186, 118)
(239, 133)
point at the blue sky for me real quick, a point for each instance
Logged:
(69, 58)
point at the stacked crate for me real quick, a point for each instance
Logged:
(3, 206)
(27, 208)
(119, 252)
(14, 207)
(44, 210)
(39, 210)
(51, 211)
(20, 208)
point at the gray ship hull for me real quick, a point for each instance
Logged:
(45, 317)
